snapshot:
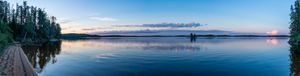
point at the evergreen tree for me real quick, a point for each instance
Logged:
(27, 22)
(295, 22)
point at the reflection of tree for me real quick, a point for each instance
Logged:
(39, 56)
(295, 60)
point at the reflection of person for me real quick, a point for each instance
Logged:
(193, 37)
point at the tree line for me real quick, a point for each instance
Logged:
(27, 23)
(295, 23)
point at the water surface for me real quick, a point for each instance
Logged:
(165, 56)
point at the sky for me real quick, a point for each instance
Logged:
(86, 16)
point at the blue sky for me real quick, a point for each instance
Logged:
(232, 15)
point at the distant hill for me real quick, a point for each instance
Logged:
(89, 36)
(78, 36)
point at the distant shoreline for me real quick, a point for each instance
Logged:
(198, 36)
(84, 36)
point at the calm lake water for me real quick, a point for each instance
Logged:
(165, 56)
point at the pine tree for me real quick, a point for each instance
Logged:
(28, 22)
(295, 22)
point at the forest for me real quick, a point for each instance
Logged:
(24, 23)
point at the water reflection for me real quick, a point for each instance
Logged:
(206, 56)
(272, 41)
(40, 55)
(193, 39)
(171, 44)
(295, 60)
(168, 43)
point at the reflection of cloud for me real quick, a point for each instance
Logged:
(272, 41)
(172, 47)
(166, 44)
(103, 19)
(104, 55)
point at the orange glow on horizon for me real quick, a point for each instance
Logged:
(273, 32)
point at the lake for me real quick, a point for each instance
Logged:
(165, 56)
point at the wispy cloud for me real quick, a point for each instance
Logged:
(65, 21)
(88, 29)
(103, 18)
(169, 25)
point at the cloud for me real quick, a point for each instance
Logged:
(66, 28)
(169, 25)
(65, 21)
(88, 29)
(103, 19)
(91, 29)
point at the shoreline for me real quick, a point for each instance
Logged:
(196, 36)
(86, 36)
